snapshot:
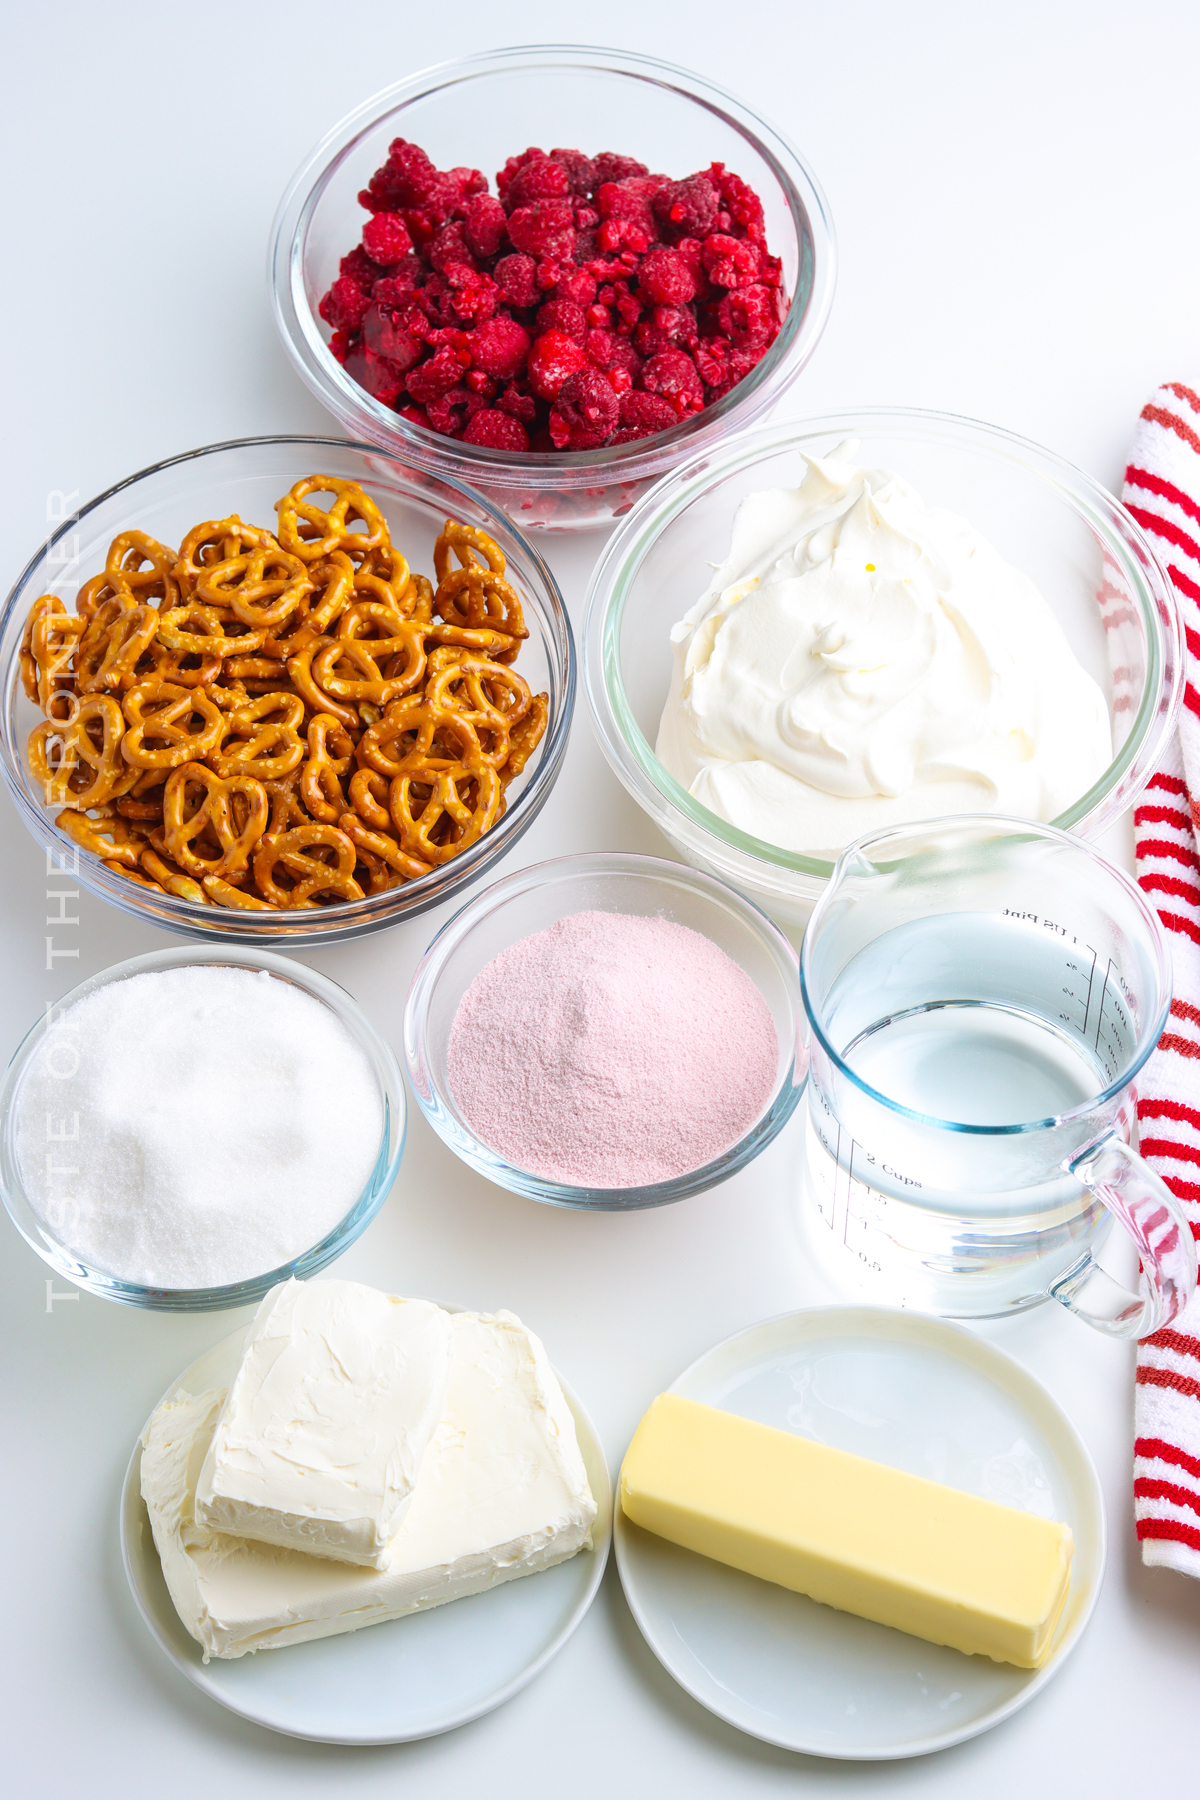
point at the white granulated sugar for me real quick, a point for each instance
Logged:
(226, 1122)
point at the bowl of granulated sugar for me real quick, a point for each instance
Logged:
(607, 1031)
(186, 1129)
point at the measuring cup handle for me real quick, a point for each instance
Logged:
(1155, 1221)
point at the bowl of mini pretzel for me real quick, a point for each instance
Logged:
(283, 688)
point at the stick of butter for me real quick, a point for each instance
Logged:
(931, 1560)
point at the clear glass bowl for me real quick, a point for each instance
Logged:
(532, 901)
(247, 476)
(66, 1263)
(1080, 546)
(479, 111)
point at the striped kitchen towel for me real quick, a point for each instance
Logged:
(1162, 491)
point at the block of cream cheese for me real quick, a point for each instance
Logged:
(931, 1560)
(320, 1440)
(502, 1492)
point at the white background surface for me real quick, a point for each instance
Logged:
(1013, 188)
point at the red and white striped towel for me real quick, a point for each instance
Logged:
(1162, 491)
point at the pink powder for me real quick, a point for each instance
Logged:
(612, 1051)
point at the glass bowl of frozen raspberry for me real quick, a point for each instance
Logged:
(560, 326)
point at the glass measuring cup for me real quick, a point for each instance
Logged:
(982, 993)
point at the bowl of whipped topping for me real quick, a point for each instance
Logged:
(851, 622)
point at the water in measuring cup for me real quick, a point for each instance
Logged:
(975, 1064)
(984, 1020)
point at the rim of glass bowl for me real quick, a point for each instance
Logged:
(443, 1116)
(665, 800)
(349, 919)
(299, 327)
(239, 1293)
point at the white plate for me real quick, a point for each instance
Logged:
(921, 1395)
(406, 1678)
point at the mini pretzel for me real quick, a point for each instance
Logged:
(383, 849)
(494, 698)
(473, 548)
(369, 798)
(261, 738)
(53, 642)
(171, 880)
(414, 738)
(525, 737)
(197, 801)
(310, 532)
(225, 895)
(475, 599)
(107, 837)
(214, 542)
(321, 774)
(145, 566)
(43, 607)
(348, 667)
(301, 854)
(160, 711)
(437, 824)
(87, 769)
(300, 668)
(112, 645)
(263, 586)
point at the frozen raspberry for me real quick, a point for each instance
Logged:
(578, 285)
(749, 316)
(631, 201)
(378, 376)
(448, 413)
(339, 346)
(359, 268)
(584, 413)
(609, 351)
(545, 229)
(609, 166)
(580, 169)
(344, 305)
(644, 414)
(688, 208)
(430, 380)
(564, 316)
(449, 245)
(473, 295)
(496, 431)
(520, 404)
(739, 200)
(666, 277)
(416, 415)
(469, 182)
(386, 238)
(553, 358)
(516, 277)
(505, 175)
(538, 179)
(499, 347)
(629, 309)
(399, 285)
(384, 332)
(730, 262)
(674, 376)
(667, 328)
(484, 225)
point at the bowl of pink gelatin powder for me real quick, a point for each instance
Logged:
(607, 1031)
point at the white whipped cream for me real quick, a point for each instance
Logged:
(321, 1437)
(502, 1492)
(862, 660)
